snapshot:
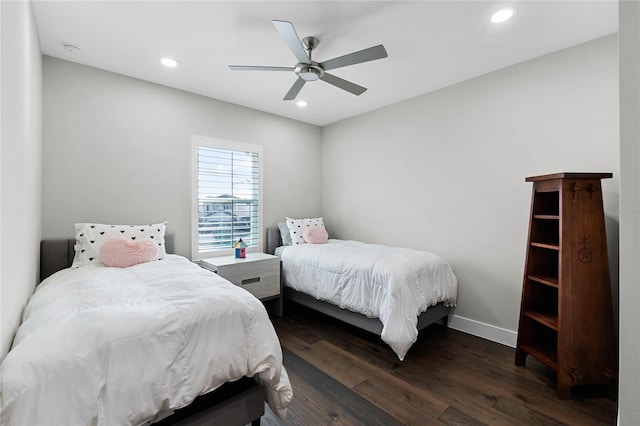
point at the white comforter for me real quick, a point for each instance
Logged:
(111, 346)
(390, 283)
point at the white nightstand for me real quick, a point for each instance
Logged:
(258, 273)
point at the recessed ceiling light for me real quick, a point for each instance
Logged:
(302, 104)
(502, 15)
(168, 62)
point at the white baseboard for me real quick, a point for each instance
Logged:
(486, 331)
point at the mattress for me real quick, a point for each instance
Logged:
(393, 284)
(109, 346)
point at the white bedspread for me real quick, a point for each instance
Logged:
(111, 346)
(390, 283)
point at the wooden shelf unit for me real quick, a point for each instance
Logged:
(566, 315)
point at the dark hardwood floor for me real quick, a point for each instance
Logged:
(341, 375)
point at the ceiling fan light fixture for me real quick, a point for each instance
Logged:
(309, 72)
(309, 76)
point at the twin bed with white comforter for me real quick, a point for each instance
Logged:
(400, 289)
(122, 346)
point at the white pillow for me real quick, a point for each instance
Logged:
(284, 234)
(91, 236)
(296, 226)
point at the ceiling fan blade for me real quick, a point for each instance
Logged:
(259, 68)
(289, 34)
(343, 84)
(295, 89)
(366, 55)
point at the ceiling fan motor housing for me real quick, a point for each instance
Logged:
(309, 72)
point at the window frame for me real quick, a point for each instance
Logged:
(196, 143)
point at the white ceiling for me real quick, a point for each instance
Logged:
(431, 44)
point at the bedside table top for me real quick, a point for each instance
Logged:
(232, 260)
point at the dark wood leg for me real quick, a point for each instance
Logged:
(277, 311)
(256, 422)
(564, 386)
(521, 356)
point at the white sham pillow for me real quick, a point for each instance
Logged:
(285, 235)
(91, 236)
(296, 226)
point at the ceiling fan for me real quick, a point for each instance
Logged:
(308, 70)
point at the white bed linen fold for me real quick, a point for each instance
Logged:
(393, 284)
(112, 346)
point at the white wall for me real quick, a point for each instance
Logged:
(629, 388)
(118, 150)
(20, 170)
(445, 171)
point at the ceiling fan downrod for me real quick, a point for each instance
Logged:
(311, 71)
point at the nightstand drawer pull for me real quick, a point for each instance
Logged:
(251, 280)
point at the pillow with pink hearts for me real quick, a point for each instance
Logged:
(315, 235)
(122, 253)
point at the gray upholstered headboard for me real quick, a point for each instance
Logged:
(273, 239)
(57, 254)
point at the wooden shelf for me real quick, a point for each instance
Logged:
(549, 320)
(550, 281)
(546, 246)
(546, 356)
(571, 278)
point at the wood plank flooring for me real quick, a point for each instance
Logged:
(344, 376)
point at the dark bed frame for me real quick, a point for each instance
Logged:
(434, 314)
(234, 403)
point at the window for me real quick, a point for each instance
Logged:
(227, 196)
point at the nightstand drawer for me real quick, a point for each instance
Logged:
(242, 272)
(262, 287)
